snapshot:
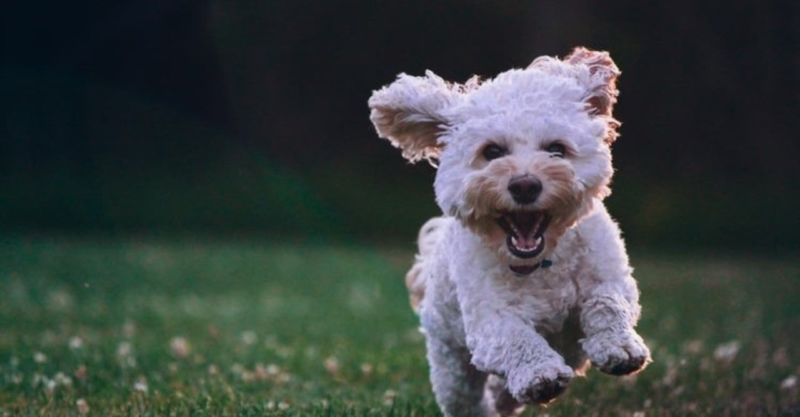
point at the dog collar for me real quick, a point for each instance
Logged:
(543, 264)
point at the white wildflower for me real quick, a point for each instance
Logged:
(61, 379)
(366, 369)
(124, 349)
(789, 383)
(125, 355)
(141, 385)
(389, 396)
(180, 347)
(249, 337)
(50, 385)
(237, 369)
(212, 369)
(726, 352)
(75, 343)
(283, 377)
(331, 365)
(83, 406)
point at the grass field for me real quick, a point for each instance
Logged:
(182, 327)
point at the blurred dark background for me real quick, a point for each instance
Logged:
(250, 117)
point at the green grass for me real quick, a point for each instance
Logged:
(182, 327)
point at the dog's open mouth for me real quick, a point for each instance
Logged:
(524, 232)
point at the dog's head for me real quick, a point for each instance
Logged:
(521, 157)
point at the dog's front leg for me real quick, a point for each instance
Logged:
(610, 303)
(507, 345)
(611, 342)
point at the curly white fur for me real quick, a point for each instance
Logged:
(504, 330)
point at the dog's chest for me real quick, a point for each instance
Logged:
(544, 298)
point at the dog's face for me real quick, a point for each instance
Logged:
(521, 157)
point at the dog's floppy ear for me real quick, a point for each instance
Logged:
(409, 113)
(597, 73)
(602, 82)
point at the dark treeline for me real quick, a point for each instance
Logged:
(246, 115)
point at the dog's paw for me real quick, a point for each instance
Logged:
(617, 353)
(540, 384)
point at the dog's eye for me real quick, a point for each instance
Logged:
(493, 151)
(556, 149)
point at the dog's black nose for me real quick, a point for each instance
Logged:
(525, 188)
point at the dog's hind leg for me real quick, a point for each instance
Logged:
(457, 385)
(427, 239)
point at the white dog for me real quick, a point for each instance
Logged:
(526, 276)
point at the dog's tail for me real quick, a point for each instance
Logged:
(427, 240)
